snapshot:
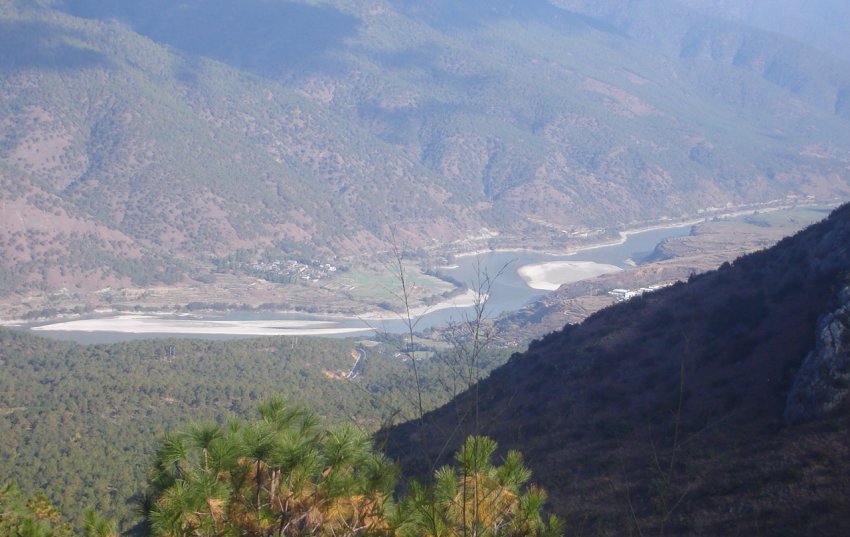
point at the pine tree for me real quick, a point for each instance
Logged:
(280, 475)
(477, 499)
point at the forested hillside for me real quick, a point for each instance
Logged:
(80, 423)
(713, 407)
(146, 143)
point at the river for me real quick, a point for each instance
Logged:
(508, 291)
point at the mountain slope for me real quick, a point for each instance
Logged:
(675, 411)
(321, 128)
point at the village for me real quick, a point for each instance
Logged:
(291, 271)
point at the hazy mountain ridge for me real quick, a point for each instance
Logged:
(433, 119)
(819, 23)
(703, 34)
(695, 377)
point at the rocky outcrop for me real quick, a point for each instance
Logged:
(824, 378)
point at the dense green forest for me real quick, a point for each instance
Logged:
(284, 474)
(80, 422)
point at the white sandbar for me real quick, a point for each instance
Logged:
(169, 324)
(550, 276)
(465, 300)
(152, 324)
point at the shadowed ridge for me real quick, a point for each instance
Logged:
(684, 389)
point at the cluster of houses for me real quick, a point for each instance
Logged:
(291, 271)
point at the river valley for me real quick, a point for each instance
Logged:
(508, 291)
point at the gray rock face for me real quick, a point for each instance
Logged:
(824, 378)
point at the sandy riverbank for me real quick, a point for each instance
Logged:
(171, 324)
(465, 300)
(549, 276)
(158, 324)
